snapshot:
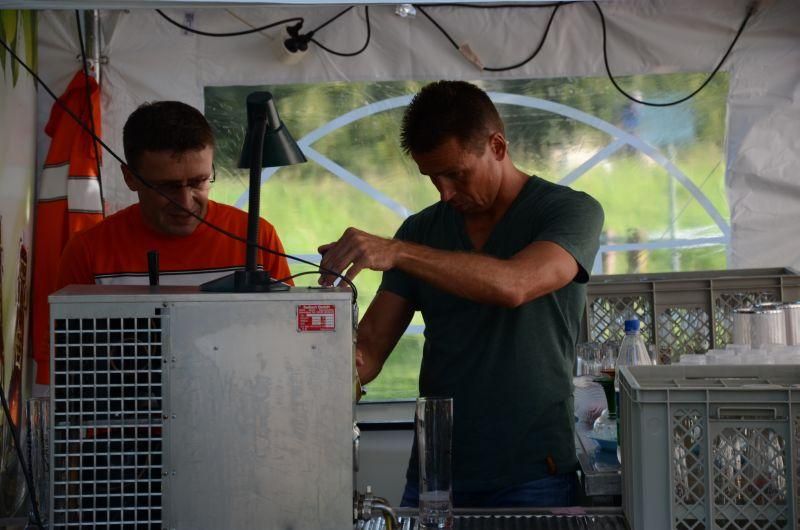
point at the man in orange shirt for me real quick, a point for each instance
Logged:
(170, 145)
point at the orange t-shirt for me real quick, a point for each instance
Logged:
(115, 251)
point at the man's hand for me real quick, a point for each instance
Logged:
(355, 251)
(359, 358)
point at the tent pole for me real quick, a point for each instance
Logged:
(91, 24)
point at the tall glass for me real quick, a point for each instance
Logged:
(434, 446)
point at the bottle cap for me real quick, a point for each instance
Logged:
(631, 325)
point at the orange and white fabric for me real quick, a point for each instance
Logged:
(114, 252)
(69, 200)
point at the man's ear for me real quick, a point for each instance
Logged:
(498, 145)
(130, 179)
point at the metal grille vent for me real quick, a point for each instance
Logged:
(688, 469)
(684, 330)
(750, 484)
(725, 303)
(107, 452)
(607, 317)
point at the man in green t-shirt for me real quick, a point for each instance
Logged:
(498, 269)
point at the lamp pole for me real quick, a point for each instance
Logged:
(267, 142)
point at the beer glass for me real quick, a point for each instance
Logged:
(434, 446)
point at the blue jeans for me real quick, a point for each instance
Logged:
(558, 490)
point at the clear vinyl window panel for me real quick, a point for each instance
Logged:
(658, 172)
(107, 429)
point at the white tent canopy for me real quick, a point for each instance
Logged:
(149, 59)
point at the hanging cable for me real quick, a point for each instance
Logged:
(535, 52)
(497, 6)
(555, 6)
(342, 12)
(162, 193)
(232, 33)
(345, 54)
(750, 10)
(91, 111)
(440, 28)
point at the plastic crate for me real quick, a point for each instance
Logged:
(710, 447)
(684, 312)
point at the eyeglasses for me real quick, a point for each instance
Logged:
(175, 187)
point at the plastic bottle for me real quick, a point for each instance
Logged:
(632, 352)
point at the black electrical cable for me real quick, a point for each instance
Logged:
(496, 6)
(91, 112)
(534, 53)
(342, 12)
(293, 276)
(232, 33)
(440, 28)
(163, 194)
(350, 54)
(37, 519)
(750, 10)
(525, 61)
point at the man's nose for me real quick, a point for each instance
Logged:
(184, 196)
(446, 191)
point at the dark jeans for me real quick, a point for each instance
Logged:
(558, 490)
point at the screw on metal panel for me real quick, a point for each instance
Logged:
(216, 348)
(173, 416)
(166, 417)
(173, 473)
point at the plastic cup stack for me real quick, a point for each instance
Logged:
(723, 357)
(739, 354)
(768, 333)
(767, 326)
(742, 319)
(693, 359)
(792, 323)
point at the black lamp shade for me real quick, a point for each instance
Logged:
(279, 148)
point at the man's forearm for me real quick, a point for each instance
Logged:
(478, 277)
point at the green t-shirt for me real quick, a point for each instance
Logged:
(509, 371)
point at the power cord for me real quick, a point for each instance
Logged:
(91, 113)
(229, 34)
(421, 7)
(496, 6)
(555, 6)
(340, 13)
(163, 194)
(535, 52)
(348, 54)
(298, 42)
(750, 10)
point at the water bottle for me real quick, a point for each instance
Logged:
(632, 352)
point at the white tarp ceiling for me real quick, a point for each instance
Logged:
(149, 59)
(183, 4)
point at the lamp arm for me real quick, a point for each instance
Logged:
(254, 204)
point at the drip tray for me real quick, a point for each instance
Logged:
(500, 521)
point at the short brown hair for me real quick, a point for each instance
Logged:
(165, 126)
(449, 109)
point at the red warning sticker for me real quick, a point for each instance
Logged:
(316, 317)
